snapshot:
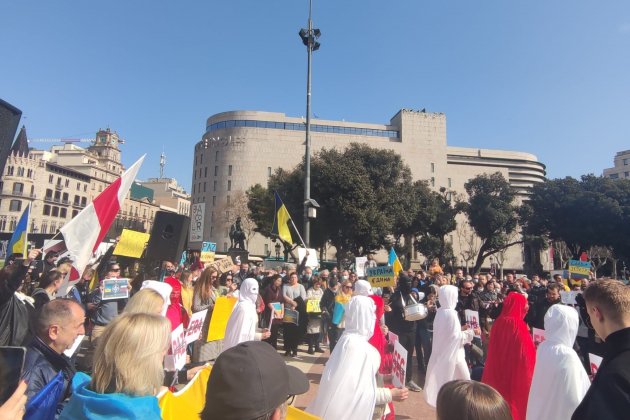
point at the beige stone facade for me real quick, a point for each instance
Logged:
(621, 170)
(242, 148)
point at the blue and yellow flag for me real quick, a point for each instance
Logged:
(281, 221)
(394, 261)
(17, 244)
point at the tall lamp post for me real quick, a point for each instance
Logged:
(309, 37)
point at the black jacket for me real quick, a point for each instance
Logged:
(42, 364)
(396, 321)
(327, 303)
(536, 314)
(14, 314)
(609, 395)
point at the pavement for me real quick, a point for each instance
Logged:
(313, 366)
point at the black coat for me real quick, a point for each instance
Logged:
(536, 314)
(14, 314)
(609, 395)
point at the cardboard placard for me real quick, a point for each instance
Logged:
(595, 361)
(177, 359)
(115, 289)
(208, 250)
(538, 336)
(381, 276)
(224, 264)
(359, 266)
(579, 269)
(399, 358)
(311, 261)
(131, 243)
(195, 325)
(312, 306)
(220, 315)
(472, 318)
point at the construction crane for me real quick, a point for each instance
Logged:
(67, 140)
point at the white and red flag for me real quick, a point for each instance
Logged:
(83, 234)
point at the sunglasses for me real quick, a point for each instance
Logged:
(115, 269)
(467, 288)
(347, 287)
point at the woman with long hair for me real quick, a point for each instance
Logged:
(204, 297)
(294, 298)
(127, 372)
(471, 400)
(187, 291)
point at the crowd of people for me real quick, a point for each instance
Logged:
(485, 367)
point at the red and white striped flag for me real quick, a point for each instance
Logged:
(86, 230)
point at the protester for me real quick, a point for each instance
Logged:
(251, 381)
(471, 400)
(314, 325)
(204, 297)
(511, 355)
(406, 330)
(187, 291)
(80, 290)
(273, 294)
(50, 262)
(15, 310)
(175, 311)
(242, 324)
(102, 312)
(424, 329)
(560, 381)
(327, 305)
(160, 287)
(127, 371)
(608, 306)
(348, 388)
(447, 360)
(294, 299)
(227, 286)
(49, 284)
(57, 326)
(148, 301)
(536, 314)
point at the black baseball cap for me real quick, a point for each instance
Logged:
(250, 380)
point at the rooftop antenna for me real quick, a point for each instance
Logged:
(162, 164)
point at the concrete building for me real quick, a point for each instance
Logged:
(60, 182)
(621, 170)
(242, 148)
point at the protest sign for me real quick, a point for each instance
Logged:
(220, 316)
(359, 266)
(177, 359)
(399, 359)
(208, 250)
(311, 261)
(77, 342)
(568, 298)
(195, 325)
(276, 313)
(196, 222)
(538, 335)
(131, 243)
(393, 338)
(594, 360)
(223, 265)
(472, 318)
(312, 306)
(291, 316)
(115, 289)
(579, 269)
(381, 276)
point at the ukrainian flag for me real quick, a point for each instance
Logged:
(17, 244)
(281, 221)
(394, 261)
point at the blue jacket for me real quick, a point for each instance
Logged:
(87, 404)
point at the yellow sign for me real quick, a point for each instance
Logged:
(207, 252)
(220, 316)
(381, 276)
(297, 414)
(131, 243)
(312, 306)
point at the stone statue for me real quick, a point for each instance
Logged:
(237, 236)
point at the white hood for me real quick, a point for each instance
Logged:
(243, 320)
(248, 291)
(164, 289)
(363, 288)
(361, 316)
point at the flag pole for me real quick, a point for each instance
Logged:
(28, 224)
(297, 231)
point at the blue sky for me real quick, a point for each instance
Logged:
(551, 78)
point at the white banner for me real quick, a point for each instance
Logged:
(311, 261)
(400, 365)
(195, 325)
(196, 222)
(359, 266)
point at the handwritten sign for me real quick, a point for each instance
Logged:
(472, 318)
(399, 358)
(538, 335)
(195, 325)
(312, 306)
(568, 298)
(177, 359)
(115, 289)
(131, 243)
(311, 261)
(220, 315)
(381, 276)
(579, 269)
(196, 222)
(207, 251)
(595, 361)
(359, 266)
(223, 265)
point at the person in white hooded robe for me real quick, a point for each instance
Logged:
(448, 359)
(241, 325)
(560, 381)
(347, 389)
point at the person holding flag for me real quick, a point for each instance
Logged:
(19, 239)
(281, 221)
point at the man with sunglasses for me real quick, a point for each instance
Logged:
(102, 312)
(468, 299)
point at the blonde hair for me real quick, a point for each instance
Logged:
(128, 357)
(146, 301)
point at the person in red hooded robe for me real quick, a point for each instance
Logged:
(511, 355)
(175, 311)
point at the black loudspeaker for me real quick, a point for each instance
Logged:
(9, 120)
(168, 236)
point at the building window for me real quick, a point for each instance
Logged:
(83, 201)
(15, 205)
(49, 194)
(53, 227)
(205, 172)
(214, 200)
(450, 184)
(29, 173)
(204, 186)
(9, 170)
(267, 249)
(63, 212)
(20, 171)
(433, 181)
(227, 232)
(50, 179)
(55, 211)
(432, 167)
(268, 170)
(228, 199)
(46, 210)
(230, 170)
(85, 188)
(3, 223)
(214, 186)
(44, 226)
(626, 174)
(57, 196)
(229, 186)
(194, 185)
(216, 156)
(216, 170)
(201, 158)
(18, 188)
(67, 183)
(625, 162)
(75, 212)
(614, 176)
(65, 198)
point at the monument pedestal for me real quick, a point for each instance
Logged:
(238, 254)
